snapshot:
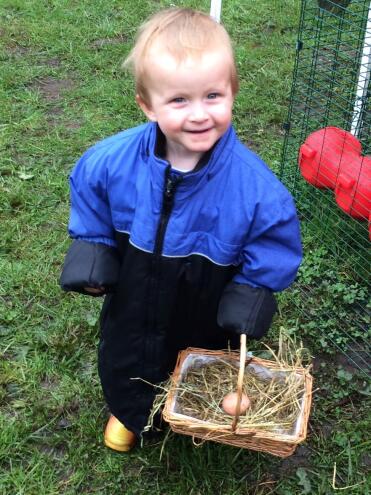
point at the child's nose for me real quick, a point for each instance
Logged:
(198, 112)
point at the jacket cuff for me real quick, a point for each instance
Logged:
(89, 264)
(245, 309)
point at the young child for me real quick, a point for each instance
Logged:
(186, 231)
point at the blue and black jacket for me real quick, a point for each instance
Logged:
(186, 259)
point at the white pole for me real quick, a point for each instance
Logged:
(363, 79)
(215, 9)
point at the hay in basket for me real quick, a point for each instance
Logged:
(280, 391)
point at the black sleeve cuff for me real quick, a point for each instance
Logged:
(89, 264)
(245, 309)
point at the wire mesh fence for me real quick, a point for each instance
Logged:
(326, 164)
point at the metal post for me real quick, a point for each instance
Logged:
(215, 9)
(363, 80)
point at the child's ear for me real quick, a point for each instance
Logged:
(146, 108)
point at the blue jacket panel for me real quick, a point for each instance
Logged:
(233, 211)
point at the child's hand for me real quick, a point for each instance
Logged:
(94, 290)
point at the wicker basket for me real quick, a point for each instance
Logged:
(276, 443)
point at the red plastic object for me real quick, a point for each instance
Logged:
(324, 153)
(331, 158)
(353, 188)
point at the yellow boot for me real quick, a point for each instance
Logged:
(117, 437)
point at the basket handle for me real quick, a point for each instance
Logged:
(241, 373)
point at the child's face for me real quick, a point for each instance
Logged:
(191, 101)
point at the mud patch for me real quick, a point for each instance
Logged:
(326, 429)
(321, 361)
(54, 113)
(53, 62)
(18, 50)
(252, 145)
(355, 359)
(58, 452)
(55, 118)
(51, 89)
(64, 423)
(65, 410)
(72, 125)
(301, 458)
(102, 42)
(49, 384)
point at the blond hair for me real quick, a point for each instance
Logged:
(184, 33)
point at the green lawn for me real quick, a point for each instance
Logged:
(62, 90)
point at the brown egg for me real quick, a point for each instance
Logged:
(229, 403)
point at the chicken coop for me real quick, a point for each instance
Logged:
(326, 164)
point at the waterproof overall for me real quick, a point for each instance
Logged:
(186, 259)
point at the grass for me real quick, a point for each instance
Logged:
(61, 90)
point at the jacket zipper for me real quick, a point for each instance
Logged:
(171, 183)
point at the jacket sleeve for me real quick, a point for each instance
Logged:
(245, 309)
(90, 264)
(92, 260)
(269, 263)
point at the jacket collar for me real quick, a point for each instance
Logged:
(191, 181)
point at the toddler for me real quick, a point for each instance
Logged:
(185, 231)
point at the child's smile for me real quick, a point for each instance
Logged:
(191, 101)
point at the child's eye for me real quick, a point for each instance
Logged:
(212, 96)
(178, 99)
